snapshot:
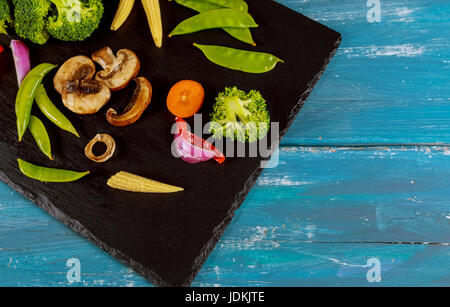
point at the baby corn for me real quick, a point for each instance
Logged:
(153, 12)
(134, 183)
(122, 13)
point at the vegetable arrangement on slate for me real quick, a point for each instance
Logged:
(233, 17)
(237, 115)
(175, 84)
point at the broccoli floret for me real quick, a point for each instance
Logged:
(75, 20)
(5, 16)
(240, 116)
(30, 18)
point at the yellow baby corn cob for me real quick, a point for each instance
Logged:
(122, 13)
(153, 12)
(134, 183)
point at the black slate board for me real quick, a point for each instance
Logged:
(166, 238)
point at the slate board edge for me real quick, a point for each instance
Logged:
(207, 249)
(45, 204)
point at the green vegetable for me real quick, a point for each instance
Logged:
(240, 116)
(30, 19)
(242, 34)
(75, 20)
(40, 135)
(46, 174)
(199, 5)
(239, 5)
(51, 111)
(26, 94)
(5, 16)
(246, 61)
(221, 18)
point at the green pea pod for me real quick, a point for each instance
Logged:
(26, 94)
(221, 18)
(244, 35)
(51, 111)
(239, 5)
(46, 174)
(200, 6)
(40, 135)
(246, 61)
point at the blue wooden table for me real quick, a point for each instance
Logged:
(364, 174)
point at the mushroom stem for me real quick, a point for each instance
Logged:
(118, 70)
(110, 148)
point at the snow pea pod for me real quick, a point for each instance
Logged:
(239, 5)
(242, 34)
(200, 6)
(246, 61)
(47, 174)
(40, 135)
(51, 111)
(25, 95)
(221, 18)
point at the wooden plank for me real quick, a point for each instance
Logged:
(388, 203)
(355, 194)
(301, 264)
(389, 80)
(34, 249)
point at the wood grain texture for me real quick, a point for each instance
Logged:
(318, 217)
(166, 238)
(314, 220)
(389, 81)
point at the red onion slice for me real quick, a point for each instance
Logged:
(21, 55)
(191, 153)
(194, 149)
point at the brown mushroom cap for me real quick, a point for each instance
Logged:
(85, 96)
(77, 68)
(118, 70)
(110, 148)
(133, 111)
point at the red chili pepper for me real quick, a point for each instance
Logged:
(197, 141)
(1, 49)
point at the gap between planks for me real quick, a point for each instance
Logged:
(373, 242)
(399, 147)
(436, 146)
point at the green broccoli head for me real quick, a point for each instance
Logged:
(240, 116)
(30, 19)
(75, 20)
(5, 16)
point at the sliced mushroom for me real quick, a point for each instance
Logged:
(85, 96)
(110, 148)
(118, 70)
(133, 111)
(77, 68)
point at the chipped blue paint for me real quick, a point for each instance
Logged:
(388, 83)
(317, 218)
